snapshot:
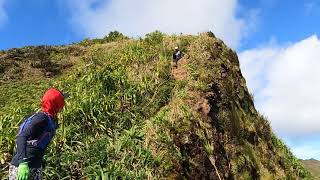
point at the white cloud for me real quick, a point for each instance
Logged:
(255, 64)
(285, 82)
(136, 18)
(3, 15)
(310, 7)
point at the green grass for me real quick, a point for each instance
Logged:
(128, 118)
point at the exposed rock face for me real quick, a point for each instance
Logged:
(229, 139)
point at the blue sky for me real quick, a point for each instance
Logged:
(285, 20)
(35, 22)
(277, 42)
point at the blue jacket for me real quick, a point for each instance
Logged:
(34, 136)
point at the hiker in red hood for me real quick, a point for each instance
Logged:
(52, 102)
(34, 136)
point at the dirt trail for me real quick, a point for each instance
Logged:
(180, 73)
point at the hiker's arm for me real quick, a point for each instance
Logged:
(35, 126)
(21, 148)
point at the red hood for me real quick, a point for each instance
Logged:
(52, 102)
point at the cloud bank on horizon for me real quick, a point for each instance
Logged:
(285, 83)
(3, 15)
(136, 18)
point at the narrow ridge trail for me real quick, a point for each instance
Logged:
(201, 105)
(180, 72)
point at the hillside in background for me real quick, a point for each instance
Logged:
(131, 115)
(313, 166)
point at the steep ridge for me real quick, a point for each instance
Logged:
(131, 115)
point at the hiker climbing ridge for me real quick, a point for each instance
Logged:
(176, 56)
(178, 69)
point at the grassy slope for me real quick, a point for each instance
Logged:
(314, 167)
(129, 117)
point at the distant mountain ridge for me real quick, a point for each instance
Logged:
(313, 166)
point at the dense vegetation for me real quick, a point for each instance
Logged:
(129, 116)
